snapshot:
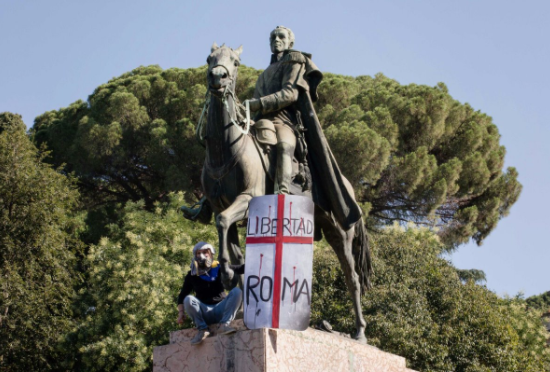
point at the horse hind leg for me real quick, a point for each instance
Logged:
(341, 241)
(235, 212)
(235, 252)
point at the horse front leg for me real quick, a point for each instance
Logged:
(236, 212)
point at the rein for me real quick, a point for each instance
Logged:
(198, 131)
(218, 173)
(239, 105)
(226, 92)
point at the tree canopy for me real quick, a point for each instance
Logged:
(412, 152)
(12, 122)
(540, 302)
(37, 253)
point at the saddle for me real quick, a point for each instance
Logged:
(265, 139)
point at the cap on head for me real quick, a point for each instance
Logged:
(288, 30)
(203, 245)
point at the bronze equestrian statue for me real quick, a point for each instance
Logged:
(285, 151)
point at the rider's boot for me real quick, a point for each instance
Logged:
(193, 212)
(284, 168)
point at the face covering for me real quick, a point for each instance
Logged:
(204, 262)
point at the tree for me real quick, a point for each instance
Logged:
(37, 253)
(11, 122)
(128, 305)
(415, 154)
(540, 302)
(420, 309)
(540, 305)
(477, 276)
(412, 152)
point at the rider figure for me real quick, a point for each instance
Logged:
(276, 92)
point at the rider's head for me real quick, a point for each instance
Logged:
(281, 39)
(203, 254)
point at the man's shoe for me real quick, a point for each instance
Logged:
(200, 336)
(226, 330)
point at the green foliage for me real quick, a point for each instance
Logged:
(412, 152)
(526, 321)
(471, 274)
(420, 309)
(37, 253)
(540, 302)
(135, 274)
(9, 121)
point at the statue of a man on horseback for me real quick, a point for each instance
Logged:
(285, 151)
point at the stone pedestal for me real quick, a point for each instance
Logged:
(267, 349)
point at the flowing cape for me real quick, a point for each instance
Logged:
(329, 190)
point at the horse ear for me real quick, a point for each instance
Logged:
(222, 45)
(239, 50)
(214, 47)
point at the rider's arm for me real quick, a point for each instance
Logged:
(289, 92)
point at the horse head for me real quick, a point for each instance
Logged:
(223, 63)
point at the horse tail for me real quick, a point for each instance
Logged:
(361, 252)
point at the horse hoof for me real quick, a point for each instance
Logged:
(228, 279)
(361, 338)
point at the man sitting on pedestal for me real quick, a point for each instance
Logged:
(211, 304)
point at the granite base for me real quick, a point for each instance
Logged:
(262, 350)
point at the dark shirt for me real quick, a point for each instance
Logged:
(208, 292)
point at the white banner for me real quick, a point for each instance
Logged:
(279, 259)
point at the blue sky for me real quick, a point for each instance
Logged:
(495, 55)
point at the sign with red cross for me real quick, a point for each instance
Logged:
(279, 259)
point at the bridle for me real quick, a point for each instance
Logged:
(227, 91)
(225, 68)
(217, 173)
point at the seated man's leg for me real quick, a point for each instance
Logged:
(225, 311)
(194, 309)
(197, 311)
(233, 302)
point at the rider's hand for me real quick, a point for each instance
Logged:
(255, 104)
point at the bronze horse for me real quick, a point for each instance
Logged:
(233, 174)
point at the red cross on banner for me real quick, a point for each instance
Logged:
(279, 256)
